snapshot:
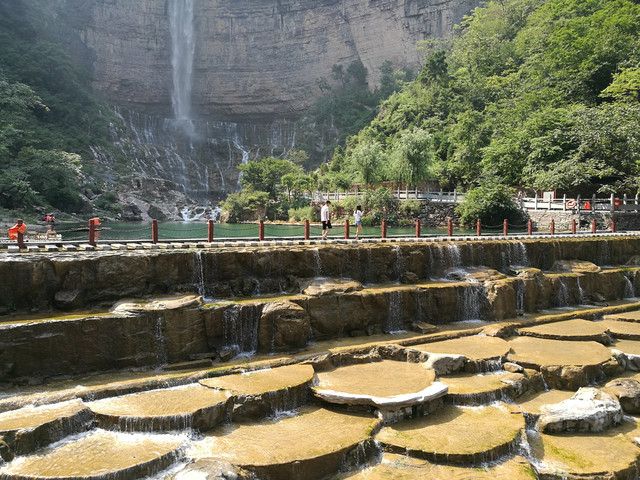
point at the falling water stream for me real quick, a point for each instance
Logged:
(183, 47)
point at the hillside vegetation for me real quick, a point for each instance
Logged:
(49, 118)
(529, 94)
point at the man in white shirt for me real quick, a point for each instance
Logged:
(325, 218)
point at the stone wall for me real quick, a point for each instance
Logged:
(71, 281)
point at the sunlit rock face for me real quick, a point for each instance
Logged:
(255, 60)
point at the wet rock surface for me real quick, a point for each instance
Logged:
(250, 408)
(588, 410)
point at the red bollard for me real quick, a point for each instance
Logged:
(573, 226)
(210, 231)
(593, 226)
(154, 231)
(613, 225)
(530, 227)
(552, 227)
(449, 227)
(479, 228)
(92, 232)
(346, 229)
(418, 228)
(384, 228)
(261, 231)
(505, 227)
(306, 229)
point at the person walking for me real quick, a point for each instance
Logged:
(325, 218)
(357, 216)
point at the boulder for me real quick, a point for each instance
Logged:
(444, 363)
(627, 391)
(283, 326)
(210, 469)
(589, 410)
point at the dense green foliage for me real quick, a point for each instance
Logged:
(531, 93)
(347, 104)
(49, 118)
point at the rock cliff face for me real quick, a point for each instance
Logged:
(255, 60)
(254, 71)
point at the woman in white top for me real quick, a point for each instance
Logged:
(357, 216)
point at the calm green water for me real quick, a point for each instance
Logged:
(198, 231)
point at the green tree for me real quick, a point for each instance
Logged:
(412, 157)
(366, 162)
(266, 174)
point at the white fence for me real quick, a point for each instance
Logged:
(400, 194)
(565, 203)
(589, 204)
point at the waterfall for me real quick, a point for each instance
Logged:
(394, 322)
(198, 272)
(399, 263)
(520, 289)
(162, 354)
(471, 300)
(183, 47)
(629, 291)
(240, 328)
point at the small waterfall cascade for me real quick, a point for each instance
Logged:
(399, 263)
(317, 263)
(629, 290)
(520, 290)
(581, 295)
(161, 342)
(471, 301)
(563, 296)
(240, 328)
(518, 254)
(198, 271)
(183, 47)
(394, 323)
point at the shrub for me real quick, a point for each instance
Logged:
(491, 203)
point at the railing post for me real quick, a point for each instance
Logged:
(154, 231)
(552, 227)
(564, 202)
(306, 229)
(593, 226)
(613, 202)
(384, 228)
(479, 228)
(210, 231)
(593, 203)
(261, 230)
(449, 227)
(346, 229)
(573, 226)
(535, 201)
(92, 232)
(505, 227)
(21, 230)
(530, 227)
(418, 228)
(613, 225)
